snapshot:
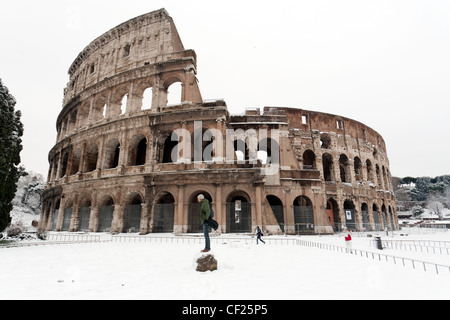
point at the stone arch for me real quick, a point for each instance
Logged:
(91, 157)
(378, 174)
(132, 212)
(376, 217)
(325, 141)
(83, 113)
(357, 165)
(328, 167)
(350, 214)
(332, 209)
(268, 151)
(98, 109)
(137, 152)
(64, 163)
(194, 210)
(68, 208)
(169, 150)
(369, 169)
(105, 213)
(202, 146)
(56, 213)
(112, 152)
(344, 168)
(118, 102)
(85, 203)
(303, 215)
(147, 99)
(164, 213)
(365, 216)
(175, 93)
(75, 161)
(276, 206)
(239, 212)
(309, 159)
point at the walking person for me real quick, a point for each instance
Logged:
(205, 211)
(259, 234)
(348, 241)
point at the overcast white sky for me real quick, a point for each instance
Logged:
(383, 63)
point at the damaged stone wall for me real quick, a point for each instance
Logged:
(121, 166)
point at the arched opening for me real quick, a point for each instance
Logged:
(147, 99)
(309, 160)
(194, 225)
(268, 151)
(141, 152)
(83, 115)
(344, 168)
(56, 214)
(105, 214)
(239, 213)
(85, 214)
(138, 150)
(328, 168)
(99, 108)
(349, 213)
(91, 158)
(132, 214)
(163, 213)
(240, 151)
(72, 120)
(277, 208)
(383, 214)
(112, 154)
(65, 162)
(378, 172)
(174, 92)
(358, 169)
(203, 138)
(75, 162)
(369, 169)
(385, 181)
(332, 210)
(376, 217)
(67, 216)
(325, 141)
(391, 221)
(123, 104)
(170, 149)
(365, 217)
(303, 215)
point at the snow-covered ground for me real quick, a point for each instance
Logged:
(165, 269)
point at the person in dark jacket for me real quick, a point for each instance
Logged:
(259, 235)
(205, 211)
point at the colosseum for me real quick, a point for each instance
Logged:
(127, 161)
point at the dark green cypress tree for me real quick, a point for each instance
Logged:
(11, 131)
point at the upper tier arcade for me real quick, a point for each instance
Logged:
(143, 52)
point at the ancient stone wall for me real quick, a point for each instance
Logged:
(122, 164)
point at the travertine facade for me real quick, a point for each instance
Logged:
(123, 164)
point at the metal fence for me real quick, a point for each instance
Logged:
(414, 263)
(80, 238)
(425, 246)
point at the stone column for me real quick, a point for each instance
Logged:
(180, 219)
(143, 228)
(258, 219)
(218, 207)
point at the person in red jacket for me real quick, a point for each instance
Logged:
(348, 240)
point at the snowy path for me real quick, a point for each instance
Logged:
(246, 271)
